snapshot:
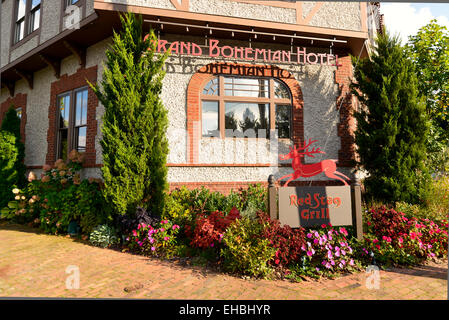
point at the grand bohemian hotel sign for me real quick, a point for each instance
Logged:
(297, 55)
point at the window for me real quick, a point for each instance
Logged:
(19, 112)
(70, 2)
(72, 123)
(27, 20)
(238, 106)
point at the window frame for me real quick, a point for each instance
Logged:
(222, 99)
(27, 33)
(71, 128)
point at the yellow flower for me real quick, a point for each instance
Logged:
(15, 191)
(17, 197)
(23, 198)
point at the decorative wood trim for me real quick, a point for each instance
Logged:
(181, 4)
(10, 86)
(78, 51)
(28, 77)
(55, 64)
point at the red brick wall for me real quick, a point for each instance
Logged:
(347, 125)
(200, 78)
(63, 84)
(226, 187)
(19, 100)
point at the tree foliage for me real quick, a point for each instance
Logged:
(392, 124)
(134, 143)
(429, 51)
(12, 154)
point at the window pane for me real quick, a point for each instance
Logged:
(210, 119)
(280, 90)
(283, 120)
(211, 87)
(63, 144)
(64, 111)
(35, 3)
(243, 116)
(19, 112)
(80, 139)
(21, 4)
(35, 20)
(19, 30)
(246, 87)
(81, 108)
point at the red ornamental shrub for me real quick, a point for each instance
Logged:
(288, 241)
(209, 230)
(404, 240)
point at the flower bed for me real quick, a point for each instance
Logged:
(233, 233)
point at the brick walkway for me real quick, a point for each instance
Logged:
(34, 265)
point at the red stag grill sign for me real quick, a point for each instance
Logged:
(312, 206)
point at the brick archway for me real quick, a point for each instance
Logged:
(207, 72)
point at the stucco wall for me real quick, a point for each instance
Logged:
(336, 15)
(6, 19)
(243, 10)
(163, 4)
(51, 12)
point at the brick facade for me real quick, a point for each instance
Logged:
(345, 104)
(18, 101)
(67, 83)
(226, 187)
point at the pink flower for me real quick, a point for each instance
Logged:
(343, 231)
(309, 235)
(413, 236)
(212, 244)
(375, 241)
(166, 238)
(162, 229)
(309, 253)
(400, 240)
(153, 248)
(351, 262)
(134, 233)
(315, 241)
(277, 261)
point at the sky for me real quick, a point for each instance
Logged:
(405, 19)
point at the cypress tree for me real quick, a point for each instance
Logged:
(134, 126)
(12, 154)
(392, 125)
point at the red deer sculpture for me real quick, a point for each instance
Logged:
(328, 166)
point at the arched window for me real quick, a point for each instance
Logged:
(242, 106)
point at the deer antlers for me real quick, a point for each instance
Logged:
(306, 146)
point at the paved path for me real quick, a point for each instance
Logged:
(33, 264)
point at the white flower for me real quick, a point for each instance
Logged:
(15, 191)
(23, 198)
(17, 197)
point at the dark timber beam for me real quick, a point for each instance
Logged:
(55, 64)
(79, 52)
(10, 86)
(28, 77)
